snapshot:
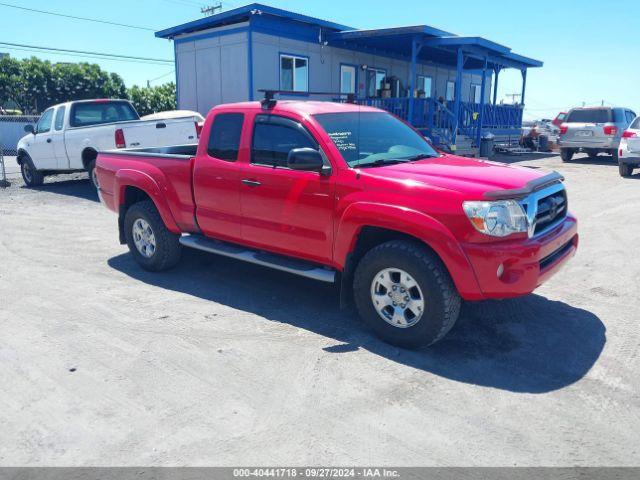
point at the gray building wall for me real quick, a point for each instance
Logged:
(214, 70)
(210, 71)
(325, 61)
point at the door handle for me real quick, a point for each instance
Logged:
(251, 183)
(48, 140)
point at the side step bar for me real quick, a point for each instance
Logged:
(272, 260)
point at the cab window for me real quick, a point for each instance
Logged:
(224, 139)
(44, 124)
(274, 137)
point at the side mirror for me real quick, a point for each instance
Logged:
(306, 159)
(29, 129)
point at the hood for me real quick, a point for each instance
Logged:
(472, 178)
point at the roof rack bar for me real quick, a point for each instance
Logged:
(269, 96)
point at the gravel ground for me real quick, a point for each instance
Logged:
(223, 363)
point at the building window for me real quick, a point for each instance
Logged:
(476, 93)
(224, 139)
(375, 78)
(424, 86)
(294, 73)
(450, 93)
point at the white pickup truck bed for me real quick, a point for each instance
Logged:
(68, 136)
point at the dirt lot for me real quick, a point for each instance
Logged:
(223, 363)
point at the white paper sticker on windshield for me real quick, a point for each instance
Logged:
(342, 140)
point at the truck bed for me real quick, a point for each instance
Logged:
(166, 171)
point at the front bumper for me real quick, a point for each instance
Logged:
(526, 264)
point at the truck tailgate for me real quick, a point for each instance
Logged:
(165, 178)
(160, 133)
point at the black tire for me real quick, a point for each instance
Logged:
(566, 154)
(625, 169)
(438, 290)
(614, 155)
(31, 176)
(91, 168)
(167, 247)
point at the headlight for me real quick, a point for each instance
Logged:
(498, 219)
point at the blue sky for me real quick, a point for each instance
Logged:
(590, 48)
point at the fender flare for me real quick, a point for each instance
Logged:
(411, 222)
(133, 178)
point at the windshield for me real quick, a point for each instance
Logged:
(374, 138)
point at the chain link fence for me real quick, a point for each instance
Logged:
(11, 130)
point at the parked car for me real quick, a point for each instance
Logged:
(593, 130)
(629, 151)
(347, 194)
(560, 118)
(68, 137)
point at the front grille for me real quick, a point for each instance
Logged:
(551, 210)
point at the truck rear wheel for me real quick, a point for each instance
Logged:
(405, 294)
(91, 169)
(625, 169)
(566, 154)
(152, 245)
(31, 176)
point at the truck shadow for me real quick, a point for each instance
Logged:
(79, 188)
(526, 345)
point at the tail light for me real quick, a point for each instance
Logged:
(610, 129)
(563, 129)
(120, 143)
(629, 134)
(198, 129)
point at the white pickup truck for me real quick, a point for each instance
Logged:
(68, 136)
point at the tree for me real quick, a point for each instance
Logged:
(153, 99)
(36, 84)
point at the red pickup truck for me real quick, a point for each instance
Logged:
(346, 194)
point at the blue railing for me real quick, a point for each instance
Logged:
(438, 120)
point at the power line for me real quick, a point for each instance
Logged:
(87, 56)
(108, 55)
(106, 22)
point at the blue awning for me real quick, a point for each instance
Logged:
(436, 45)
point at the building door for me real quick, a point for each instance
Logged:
(347, 79)
(285, 211)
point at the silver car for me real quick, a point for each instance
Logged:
(593, 130)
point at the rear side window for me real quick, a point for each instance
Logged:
(224, 139)
(590, 115)
(60, 118)
(274, 138)
(636, 124)
(95, 113)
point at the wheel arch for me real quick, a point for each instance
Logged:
(88, 154)
(364, 226)
(134, 186)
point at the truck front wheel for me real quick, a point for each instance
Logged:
(152, 245)
(31, 176)
(405, 294)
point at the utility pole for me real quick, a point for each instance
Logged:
(211, 9)
(513, 96)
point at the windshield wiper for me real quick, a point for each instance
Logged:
(383, 161)
(420, 156)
